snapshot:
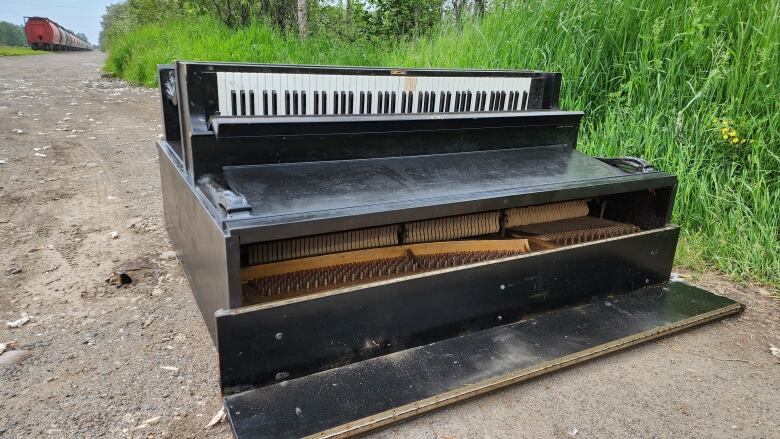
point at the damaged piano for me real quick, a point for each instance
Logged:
(368, 244)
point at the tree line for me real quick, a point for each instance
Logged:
(11, 34)
(345, 19)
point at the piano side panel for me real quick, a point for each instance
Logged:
(210, 259)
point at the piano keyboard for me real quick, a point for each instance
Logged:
(276, 94)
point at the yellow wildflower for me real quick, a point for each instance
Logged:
(735, 140)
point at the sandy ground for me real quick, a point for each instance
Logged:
(113, 362)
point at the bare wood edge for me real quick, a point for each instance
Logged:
(322, 261)
(425, 405)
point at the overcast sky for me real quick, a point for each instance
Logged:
(76, 15)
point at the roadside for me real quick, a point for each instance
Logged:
(77, 163)
(17, 51)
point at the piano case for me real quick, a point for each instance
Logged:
(367, 245)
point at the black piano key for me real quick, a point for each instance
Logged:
(252, 102)
(484, 99)
(442, 101)
(379, 100)
(403, 102)
(447, 105)
(392, 102)
(316, 103)
(493, 101)
(427, 101)
(387, 102)
(324, 102)
(243, 102)
(303, 102)
(468, 100)
(432, 107)
(409, 101)
(233, 103)
(335, 102)
(502, 101)
(295, 103)
(343, 102)
(419, 102)
(368, 103)
(524, 106)
(274, 103)
(351, 103)
(287, 102)
(457, 101)
(362, 102)
(265, 102)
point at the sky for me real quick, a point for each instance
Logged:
(76, 15)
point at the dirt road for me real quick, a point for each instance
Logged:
(137, 361)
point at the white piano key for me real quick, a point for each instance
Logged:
(221, 94)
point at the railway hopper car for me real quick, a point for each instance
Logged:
(45, 34)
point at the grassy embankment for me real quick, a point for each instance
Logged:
(15, 51)
(691, 86)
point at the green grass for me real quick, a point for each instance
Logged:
(15, 51)
(652, 77)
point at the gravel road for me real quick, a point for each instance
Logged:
(95, 360)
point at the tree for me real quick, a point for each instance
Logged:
(83, 37)
(303, 18)
(11, 34)
(114, 22)
(401, 18)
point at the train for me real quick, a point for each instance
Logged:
(45, 34)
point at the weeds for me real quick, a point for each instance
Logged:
(657, 79)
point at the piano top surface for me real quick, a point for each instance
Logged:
(294, 199)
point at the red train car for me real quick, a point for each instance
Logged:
(45, 34)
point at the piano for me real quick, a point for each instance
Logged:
(369, 244)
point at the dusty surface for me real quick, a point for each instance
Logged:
(102, 360)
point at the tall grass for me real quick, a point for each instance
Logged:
(656, 79)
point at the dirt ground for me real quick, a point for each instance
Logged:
(137, 361)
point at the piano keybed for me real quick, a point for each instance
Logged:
(277, 94)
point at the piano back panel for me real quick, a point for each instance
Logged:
(212, 153)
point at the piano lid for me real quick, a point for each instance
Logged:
(305, 198)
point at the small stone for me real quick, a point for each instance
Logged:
(135, 222)
(10, 358)
(18, 131)
(7, 346)
(20, 321)
(40, 154)
(168, 255)
(114, 235)
(14, 270)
